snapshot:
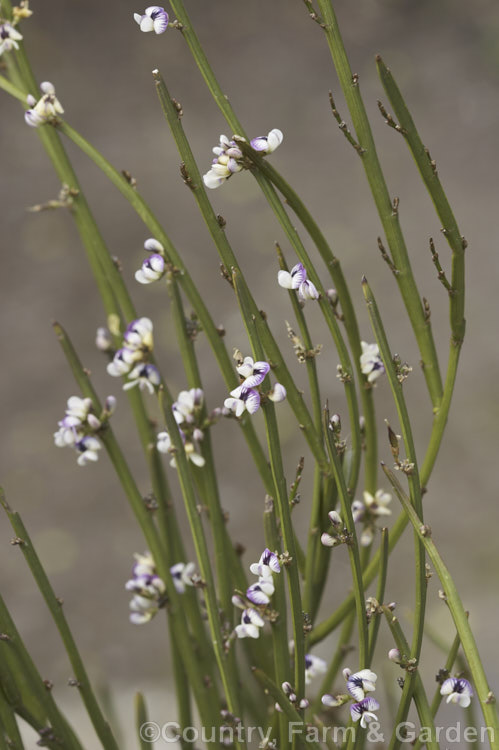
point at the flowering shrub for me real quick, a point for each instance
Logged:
(223, 620)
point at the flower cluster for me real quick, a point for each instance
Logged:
(154, 267)
(9, 37)
(131, 359)
(458, 690)
(257, 596)
(359, 685)
(187, 410)
(148, 589)
(368, 511)
(229, 157)
(154, 19)
(371, 363)
(245, 397)
(45, 109)
(79, 426)
(297, 279)
(182, 575)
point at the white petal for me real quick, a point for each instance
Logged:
(285, 280)
(274, 139)
(146, 24)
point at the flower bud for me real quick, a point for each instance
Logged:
(394, 655)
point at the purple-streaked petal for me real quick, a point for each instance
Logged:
(252, 401)
(260, 370)
(308, 291)
(260, 143)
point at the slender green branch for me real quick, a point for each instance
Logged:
(380, 594)
(280, 492)
(228, 677)
(280, 648)
(429, 173)
(410, 467)
(101, 726)
(459, 615)
(33, 689)
(10, 737)
(353, 549)
(417, 691)
(230, 261)
(297, 726)
(387, 209)
(437, 698)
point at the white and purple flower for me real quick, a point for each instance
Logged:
(182, 574)
(154, 267)
(371, 363)
(243, 399)
(251, 624)
(360, 683)
(267, 564)
(138, 335)
(9, 37)
(458, 690)
(364, 711)
(228, 157)
(45, 109)
(123, 361)
(88, 447)
(154, 19)
(254, 373)
(146, 376)
(148, 588)
(79, 426)
(266, 144)
(297, 279)
(260, 593)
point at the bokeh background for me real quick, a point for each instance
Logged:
(273, 63)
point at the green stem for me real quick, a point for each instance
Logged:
(297, 725)
(16, 658)
(437, 698)
(223, 103)
(280, 491)
(417, 691)
(380, 594)
(428, 171)
(336, 661)
(327, 626)
(10, 737)
(349, 318)
(387, 212)
(414, 486)
(227, 675)
(353, 549)
(101, 726)
(230, 261)
(280, 649)
(459, 615)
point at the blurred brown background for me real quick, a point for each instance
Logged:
(274, 64)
